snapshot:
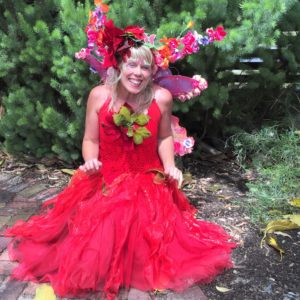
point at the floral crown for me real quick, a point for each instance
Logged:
(111, 44)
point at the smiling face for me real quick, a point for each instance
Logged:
(137, 71)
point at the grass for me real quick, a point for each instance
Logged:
(276, 158)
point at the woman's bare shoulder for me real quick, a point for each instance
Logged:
(98, 95)
(162, 96)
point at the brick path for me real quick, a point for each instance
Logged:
(19, 199)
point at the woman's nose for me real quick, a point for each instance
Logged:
(138, 70)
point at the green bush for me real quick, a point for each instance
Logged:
(44, 89)
(275, 156)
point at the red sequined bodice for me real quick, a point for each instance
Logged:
(119, 154)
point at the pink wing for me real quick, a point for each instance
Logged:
(183, 144)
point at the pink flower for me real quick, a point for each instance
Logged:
(83, 53)
(190, 43)
(216, 35)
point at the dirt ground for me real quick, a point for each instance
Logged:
(218, 190)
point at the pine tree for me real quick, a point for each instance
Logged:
(44, 90)
(44, 87)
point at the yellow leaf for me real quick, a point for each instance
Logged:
(295, 202)
(283, 234)
(278, 225)
(44, 292)
(222, 289)
(271, 241)
(293, 218)
(68, 171)
(187, 179)
(2, 162)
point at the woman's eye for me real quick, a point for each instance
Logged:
(145, 67)
(132, 65)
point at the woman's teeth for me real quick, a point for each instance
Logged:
(135, 82)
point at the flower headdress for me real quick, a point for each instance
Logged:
(108, 45)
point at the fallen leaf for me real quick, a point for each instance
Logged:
(278, 225)
(225, 197)
(295, 202)
(2, 162)
(222, 289)
(214, 188)
(271, 241)
(187, 179)
(295, 218)
(44, 292)
(68, 171)
(283, 234)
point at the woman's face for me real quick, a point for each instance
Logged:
(135, 75)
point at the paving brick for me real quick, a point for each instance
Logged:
(4, 241)
(17, 188)
(45, 195)
(16, 180)
(21, 204)
(33, 190)
(4, 255)
(12, 290)
(21, 216)
(5, 177)
(3, 282)
(6, 196)
(27, 298)
(6, 211)
(4, 220)
(30, 289)
(6, 267)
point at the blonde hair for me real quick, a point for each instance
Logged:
(145, 98)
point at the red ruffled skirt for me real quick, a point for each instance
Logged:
(136, 232)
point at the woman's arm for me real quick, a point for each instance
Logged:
(165, 137)
(90, 143)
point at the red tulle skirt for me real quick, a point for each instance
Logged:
(136, 232)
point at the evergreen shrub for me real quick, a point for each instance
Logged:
(44, 90)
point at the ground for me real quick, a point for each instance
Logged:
(218, 190)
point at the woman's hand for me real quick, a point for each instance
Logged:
(91, 166)
(174, 174)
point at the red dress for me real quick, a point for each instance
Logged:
(126, 226)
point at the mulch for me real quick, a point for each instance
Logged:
(218, 189)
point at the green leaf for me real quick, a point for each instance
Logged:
(143, 131)
(130, 132)
(125, 112)
(142, 119)
(118, 119)
(137, 138)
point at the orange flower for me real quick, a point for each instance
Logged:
(104, 7)
(190, 24)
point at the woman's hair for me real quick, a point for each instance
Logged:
(113, 78)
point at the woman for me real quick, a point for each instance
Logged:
(133, 86)
(122, 221)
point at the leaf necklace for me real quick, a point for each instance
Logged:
(133, 124)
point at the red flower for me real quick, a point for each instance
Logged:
(220, 33)
(216, 35)
(137, 32)
(111, 41)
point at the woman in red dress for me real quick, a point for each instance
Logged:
(122, 222)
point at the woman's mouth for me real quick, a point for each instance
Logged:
(135, 82)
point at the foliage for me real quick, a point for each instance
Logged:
(44, 89)
(275, 156)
